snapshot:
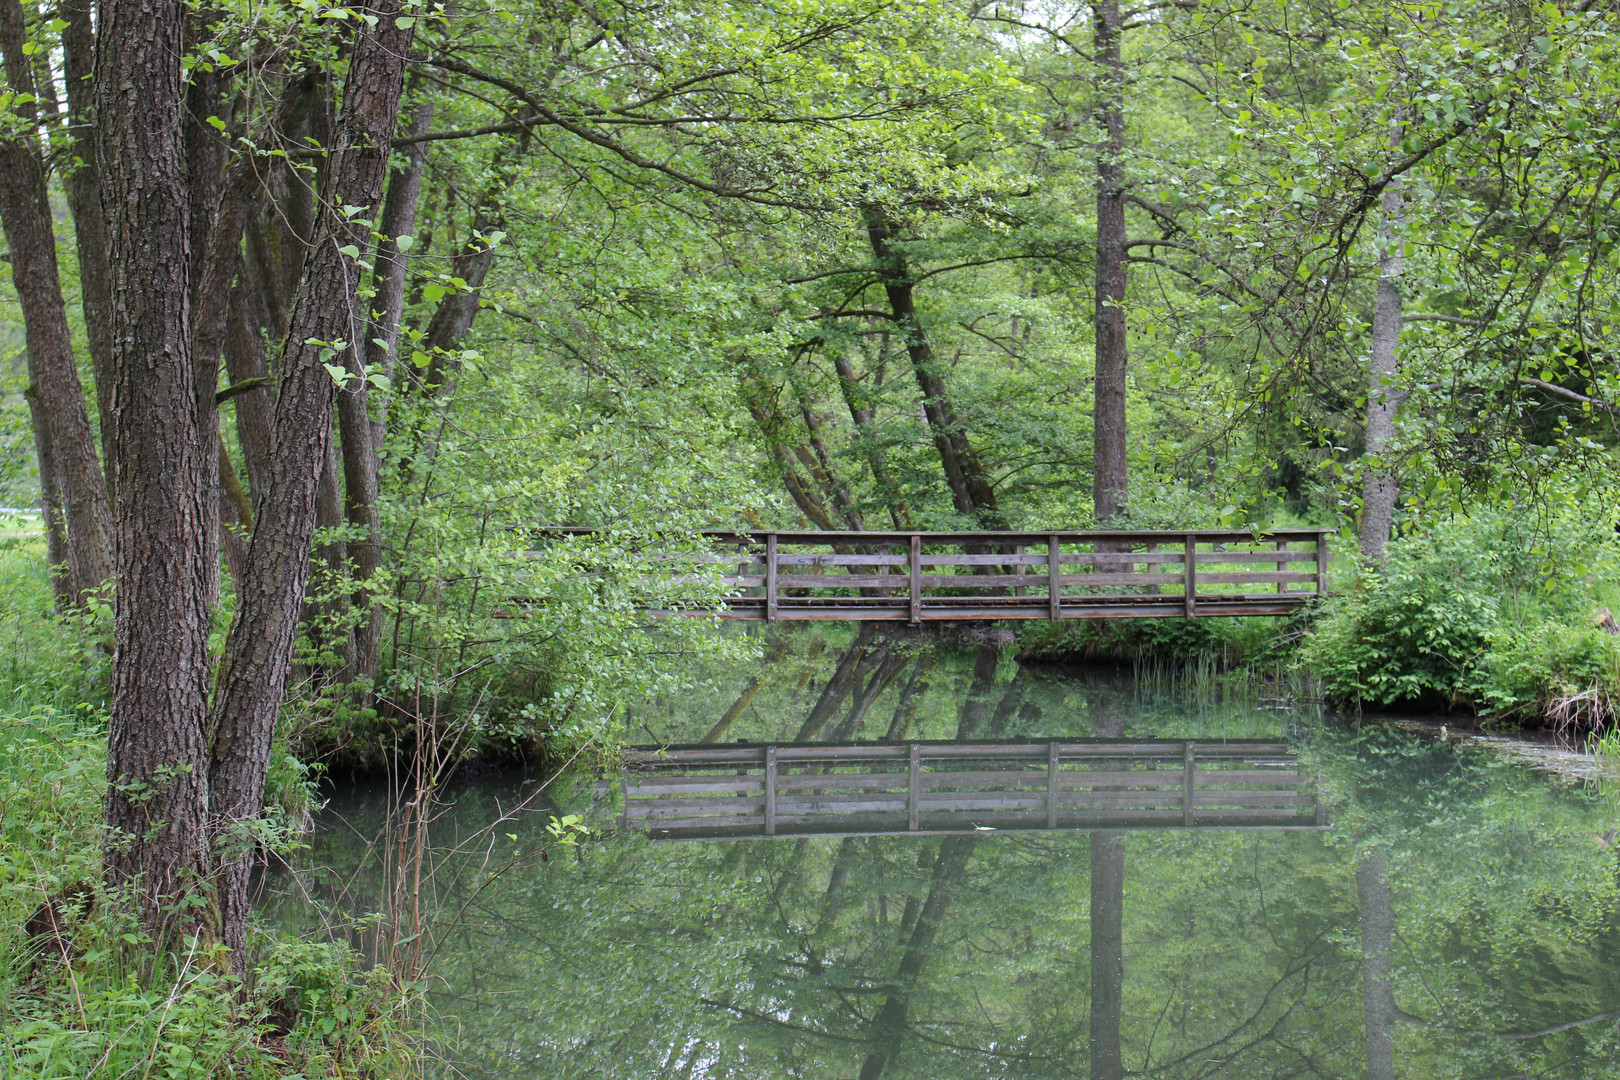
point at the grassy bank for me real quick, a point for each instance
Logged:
(81, 994)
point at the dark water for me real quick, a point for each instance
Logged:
(1461, 917)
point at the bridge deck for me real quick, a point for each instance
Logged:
(856, 789)
(916, 577)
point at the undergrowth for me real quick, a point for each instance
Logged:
(83, 992)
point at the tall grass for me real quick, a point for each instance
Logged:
(83, 993)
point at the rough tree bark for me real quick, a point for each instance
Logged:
(970, 487)
(1109, 476)
(157, 767)
(52, 370)
(1379, 486)
(258, 651)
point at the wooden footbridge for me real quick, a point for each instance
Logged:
(916, 577)
(861, 789)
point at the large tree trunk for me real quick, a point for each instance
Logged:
(259, 649)
(971, 490)
(52, 370)
(157, 767)
(1109, 476)
(1379, 486)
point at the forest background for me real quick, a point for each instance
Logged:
(316, 309)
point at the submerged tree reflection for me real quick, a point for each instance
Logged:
(1179, 955)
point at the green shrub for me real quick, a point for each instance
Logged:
(1554, 672)
(1492, 612)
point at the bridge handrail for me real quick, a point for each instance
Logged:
(997, 578)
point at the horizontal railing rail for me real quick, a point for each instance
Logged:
(934, 787)
(934, 576)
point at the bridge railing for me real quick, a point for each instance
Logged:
(955, 576)
(696, 792)
(917, 577)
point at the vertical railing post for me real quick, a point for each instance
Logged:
(914, 566)
(624, 801)
(913, 787)
(1321, 564)
(1054, 579)
(1190, 558)
(1282, 564)
(1187, 759)
(770, 791)
(770, 577)
(1018, 570)
(1051, 785)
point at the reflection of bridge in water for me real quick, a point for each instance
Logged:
(857, 789)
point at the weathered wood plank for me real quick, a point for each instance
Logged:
(713, 804)
(1282, 555)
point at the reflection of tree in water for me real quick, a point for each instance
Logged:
(1177, 955)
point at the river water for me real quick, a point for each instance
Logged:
(1459, 916)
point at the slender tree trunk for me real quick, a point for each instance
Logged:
(81, 183)
(866, 438)
(235, 514)
(244, 360)
(330, 610)
(388, 279)
(971, 491)
(362, 418)
(1377, 991)
(157, 765)
(53, 372)
(259, 649)
(1110, 475)
(56, 550)
(1379, 486)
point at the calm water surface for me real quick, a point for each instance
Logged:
(1460, 918)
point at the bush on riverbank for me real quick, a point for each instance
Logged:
(79, 993)
(1494, 613)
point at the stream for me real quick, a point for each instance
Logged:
(1457, 917)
